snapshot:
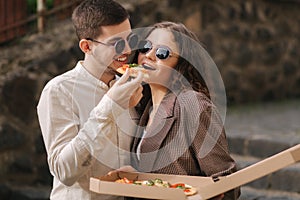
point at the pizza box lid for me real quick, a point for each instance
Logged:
(207, 187)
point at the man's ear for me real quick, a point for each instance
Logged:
(84, 45)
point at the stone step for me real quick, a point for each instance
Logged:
(264, 129)
(281, 185)
(42, 193)
(286, 179)
(248, 193)
(261, 146)
(255, 132)
(24, 192)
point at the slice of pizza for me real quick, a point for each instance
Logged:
(156, 182)
(187, 189)
(160, 183)
(133, 70)
(124, 180)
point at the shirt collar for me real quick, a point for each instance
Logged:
(89, 77)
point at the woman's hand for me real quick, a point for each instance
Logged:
(219, 197)
(126, 168)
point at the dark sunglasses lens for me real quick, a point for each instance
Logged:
(144, 46)
(132, 40)
(162, 53)
(120, 46)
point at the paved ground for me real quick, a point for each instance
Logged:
(272, 127)
(259, 131)
(278, 122)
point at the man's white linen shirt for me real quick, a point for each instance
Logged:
(82, 140)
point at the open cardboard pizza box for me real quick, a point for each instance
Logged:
(207, 187)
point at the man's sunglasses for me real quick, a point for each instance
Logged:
(119, 45)
(161, 52)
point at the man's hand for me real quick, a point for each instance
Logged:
(127, 93)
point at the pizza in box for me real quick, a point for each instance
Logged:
(187, 189)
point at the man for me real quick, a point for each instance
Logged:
(78, 110)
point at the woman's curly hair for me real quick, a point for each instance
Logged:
(189, 53)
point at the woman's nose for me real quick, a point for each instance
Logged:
(150, 54)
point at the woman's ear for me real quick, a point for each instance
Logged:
(84, 45)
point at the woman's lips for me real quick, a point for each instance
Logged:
(148, 67)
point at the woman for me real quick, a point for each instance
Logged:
(180, 116)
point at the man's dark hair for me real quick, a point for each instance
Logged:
(90, 15)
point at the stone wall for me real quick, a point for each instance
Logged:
(25, 68)
(255, 45)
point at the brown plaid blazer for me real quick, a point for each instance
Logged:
(186, 137)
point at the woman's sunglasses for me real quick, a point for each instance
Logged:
(119, 45)
(161, 52)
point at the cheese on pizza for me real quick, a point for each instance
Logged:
(187, 189)
(133, 70)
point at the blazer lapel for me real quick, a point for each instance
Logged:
(141, 126)
(157, 132)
